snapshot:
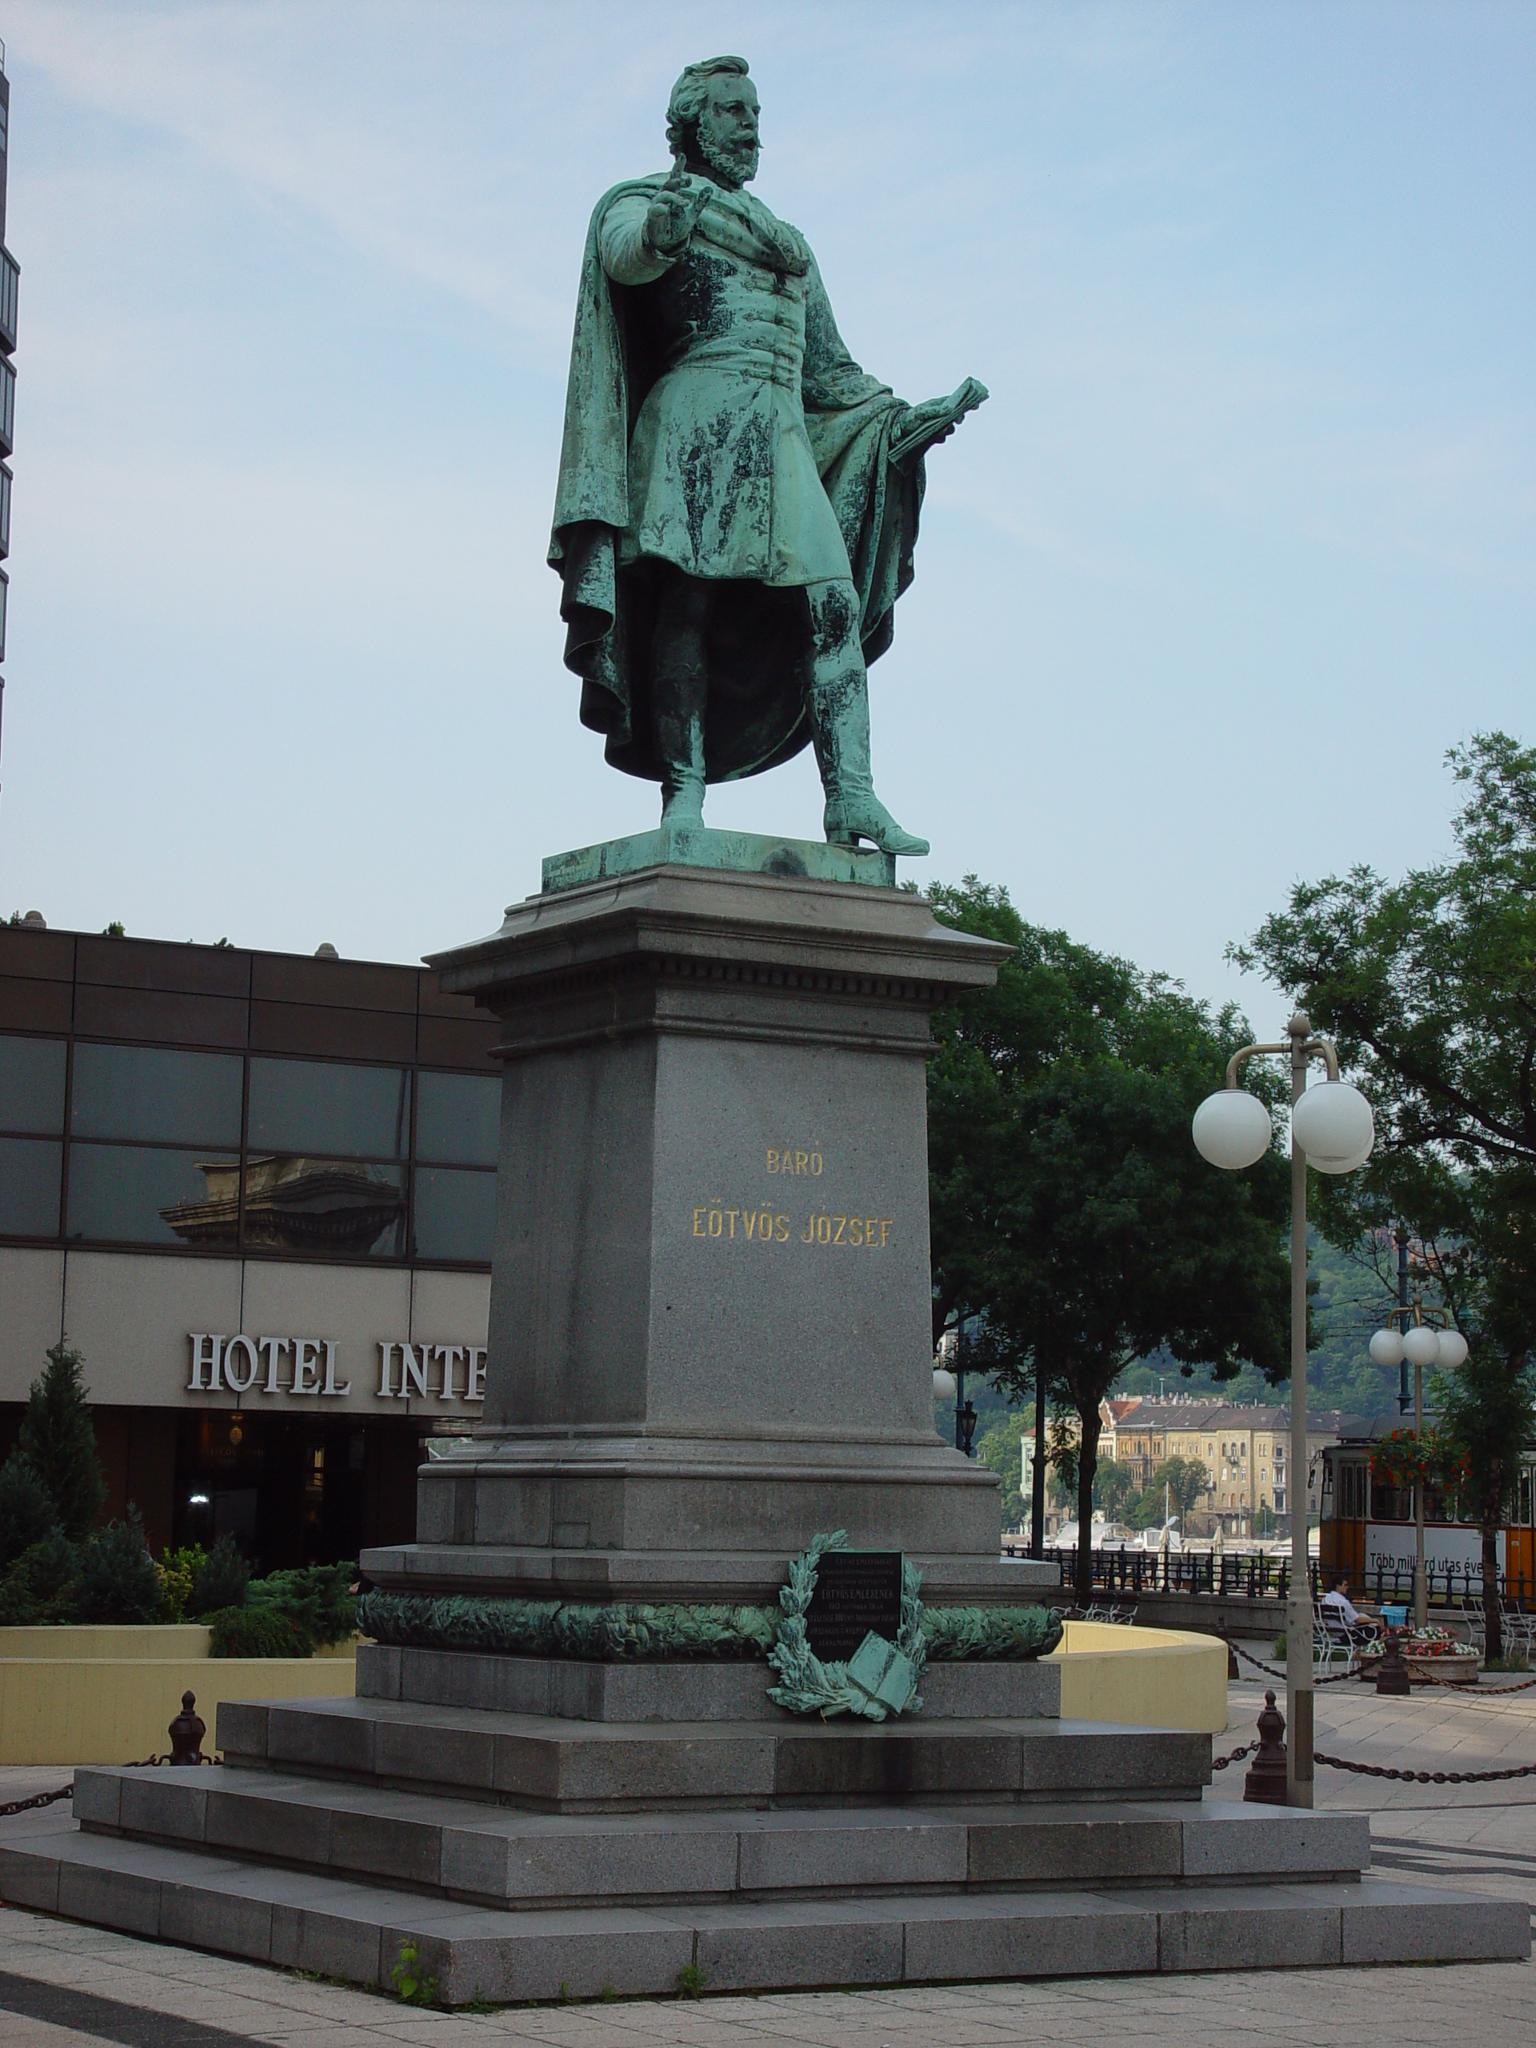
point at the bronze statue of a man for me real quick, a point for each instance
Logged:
(738, 500)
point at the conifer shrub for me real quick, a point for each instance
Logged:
(220, 1581)
(26, 1509)
(317, 1598)
(58, 1440)
(43, 1584)
(118, 1579)
(257, 1630)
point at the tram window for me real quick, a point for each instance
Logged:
(1352, 1493)
(1391, 1503)
(1525, 1515)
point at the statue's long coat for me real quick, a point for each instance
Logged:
(757, 638)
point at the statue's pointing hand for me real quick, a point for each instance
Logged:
(674, 212)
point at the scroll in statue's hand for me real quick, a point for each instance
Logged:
(926, 425)
(674, 212)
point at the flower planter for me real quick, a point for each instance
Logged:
(1460, 1667)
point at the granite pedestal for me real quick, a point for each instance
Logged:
(710, 1329)
(710, 1339)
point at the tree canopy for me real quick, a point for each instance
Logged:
(1070, 1210)
(1429, 986)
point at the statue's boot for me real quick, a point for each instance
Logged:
(839, 710)
(680, 744)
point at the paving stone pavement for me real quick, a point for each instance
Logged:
(64, 1983)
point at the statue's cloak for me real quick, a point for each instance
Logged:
(756, 646)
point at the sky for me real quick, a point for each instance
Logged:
(1240, 545)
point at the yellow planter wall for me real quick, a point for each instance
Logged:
(112, 1697)
(1148, 1677)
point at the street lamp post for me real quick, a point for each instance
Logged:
(1425, 1338)
(1332, 1127)
(949, 1383)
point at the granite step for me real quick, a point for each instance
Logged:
(554, 1765)
(300, 1919)
(497, 1856)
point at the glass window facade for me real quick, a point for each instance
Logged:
(457, 1117)
(151, 1093)
(135, 1194)
(325, 1106)
(455, 1214)
(32, 1084)
(230, 1153)
(29, 1186)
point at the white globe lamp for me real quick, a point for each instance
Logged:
(1387, 1347)
(1345, 1164)
(1333, 1125)
(1231, 1129)
(1450, 1349)
(1421, 1346)
(944, 1386)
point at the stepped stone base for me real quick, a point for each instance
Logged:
(532, 1857)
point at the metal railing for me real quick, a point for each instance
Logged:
(1254, 1577)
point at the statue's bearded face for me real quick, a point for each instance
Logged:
(727, 131)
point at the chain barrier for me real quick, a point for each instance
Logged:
(1276, 1671)
(1234, 1756)
(1340, 1763)
(142, 1763)
(1473, 1691)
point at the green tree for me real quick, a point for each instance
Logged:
(58, 1440)
(1069, 1205)
(1183, 1483)
(118, 1581)
(998, 1448)
(26, 1511)
(1429, 986)
(1113, 1488)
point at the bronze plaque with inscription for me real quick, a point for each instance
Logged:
(856, 1591)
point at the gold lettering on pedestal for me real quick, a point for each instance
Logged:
(796, 1159)
(715, 1220)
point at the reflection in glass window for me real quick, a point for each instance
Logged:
(129, 1194)
(455, 1214)
(31, 1084)
(336, 1208)
(456, 1118)
(324, 1106)
(142, 1091)
(29, 1187)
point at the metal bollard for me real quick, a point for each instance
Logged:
(187, 1732)
(1391, 1672)
(1265, 1779)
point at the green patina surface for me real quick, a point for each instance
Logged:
(700, 846)
(880, 1679)
(738, 499)
(622, 1631)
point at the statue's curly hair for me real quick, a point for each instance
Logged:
(687, 101)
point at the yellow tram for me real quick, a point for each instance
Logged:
(1368, 1531)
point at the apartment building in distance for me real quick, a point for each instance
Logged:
(1244, 1447)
